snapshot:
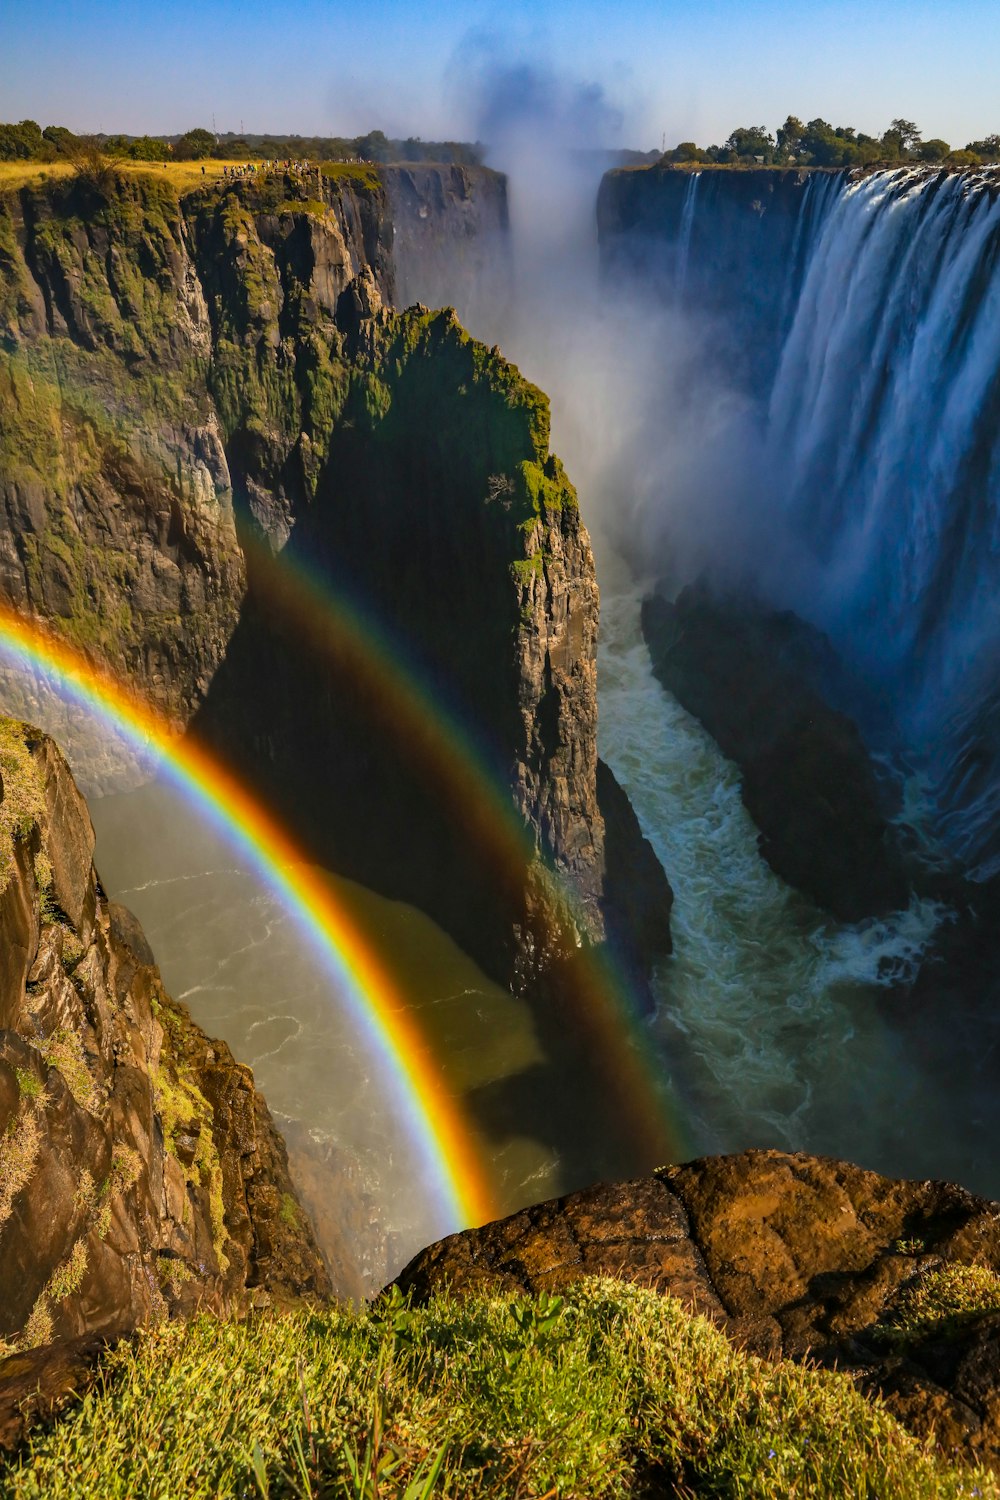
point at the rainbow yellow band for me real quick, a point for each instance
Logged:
(434, 1124)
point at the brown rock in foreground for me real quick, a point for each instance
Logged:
(793, 1256)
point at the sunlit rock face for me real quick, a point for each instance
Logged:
(794, 1256)
(140, 1172)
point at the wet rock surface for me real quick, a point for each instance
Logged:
(809, 783)
(793, 1256)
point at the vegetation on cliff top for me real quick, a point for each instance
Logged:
(820, 144)
(612, 1391)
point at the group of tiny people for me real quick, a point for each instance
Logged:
(257, 168)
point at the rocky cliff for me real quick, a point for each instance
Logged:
(450, 239)
(756, 680)
(729, 245)
(141, 1174)
(189, 385)
(895, 1283)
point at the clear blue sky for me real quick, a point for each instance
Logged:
(687, 70)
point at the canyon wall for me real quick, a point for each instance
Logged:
(450, 237)
(140, 1172)
(193, 388)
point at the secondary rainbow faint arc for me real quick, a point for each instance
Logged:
(434, 1123)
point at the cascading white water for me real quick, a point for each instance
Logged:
(884, 453)
(684, 238)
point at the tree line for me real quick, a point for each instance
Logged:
(28, 141)
(819, 144)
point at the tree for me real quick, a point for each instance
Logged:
(901, 138)
(194, 145)
(374, 146)
(987, 149)
(790, 135)
(21, 142)
(60, 139)
(964, 159)
(93, 164)
(933, 150)
(751, 140)
(686, 151)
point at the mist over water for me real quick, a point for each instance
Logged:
(229, 950)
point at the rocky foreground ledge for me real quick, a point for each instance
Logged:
(895, 1283)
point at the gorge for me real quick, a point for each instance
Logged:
(238, 472)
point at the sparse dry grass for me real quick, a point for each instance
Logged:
(18, 1154)
(183, 176)
(23, 802)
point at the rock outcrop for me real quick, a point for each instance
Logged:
(894, 1282)
(809, 782)
(141, 1174)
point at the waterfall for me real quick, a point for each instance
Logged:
(684, 237)
(884, 448)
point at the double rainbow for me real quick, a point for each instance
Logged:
(433, 1124)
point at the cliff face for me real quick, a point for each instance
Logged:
(114, 485)
(730, 244)
(807, 1258)
(450, 238)
(119, 371)
(182, 381)
(140, 1171)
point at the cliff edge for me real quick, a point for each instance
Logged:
(141, 1174)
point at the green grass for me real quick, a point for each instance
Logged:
(941, 1301)
(613, 1391)
(23, 801)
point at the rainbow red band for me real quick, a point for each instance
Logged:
(433, 1122)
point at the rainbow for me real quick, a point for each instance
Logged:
(434, 1126)
(403, 707)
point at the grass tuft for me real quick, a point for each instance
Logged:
(22, 805)
(940, 1302)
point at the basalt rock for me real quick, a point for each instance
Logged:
(141, 1174)
(809, 782)
(450, 239)
(794, 1256)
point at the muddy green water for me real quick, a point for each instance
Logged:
(227, 949)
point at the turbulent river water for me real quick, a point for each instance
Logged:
(770, 1018)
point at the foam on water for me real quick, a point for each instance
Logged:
(768, 1011)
